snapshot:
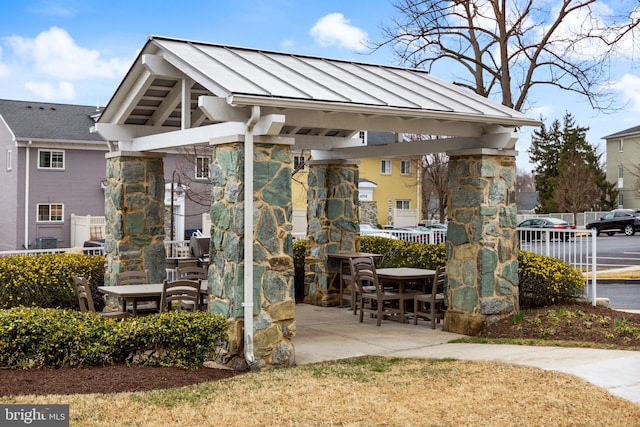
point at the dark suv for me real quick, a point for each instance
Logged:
(625, 221)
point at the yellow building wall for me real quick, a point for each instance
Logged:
(394, 186)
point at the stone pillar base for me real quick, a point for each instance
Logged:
(461, 322)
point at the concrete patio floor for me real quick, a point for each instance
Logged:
(331, 333)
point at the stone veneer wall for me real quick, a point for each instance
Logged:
(273, 286)
(332, 226)
(369, 212)
(482, 251)
(134, 207)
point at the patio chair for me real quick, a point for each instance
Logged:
(192, 272)
(430, 305)
(85, 299)
(136, 277)
(373, 298)
(132, 277)
(185, 292)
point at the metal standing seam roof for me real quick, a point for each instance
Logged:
(266, 74)
(48, 121)
(288, 82)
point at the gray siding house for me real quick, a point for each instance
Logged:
(623, 158)
(54, 167)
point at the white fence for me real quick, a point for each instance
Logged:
(416, 236)
(575, 247)
(99, 250)
(86, 227)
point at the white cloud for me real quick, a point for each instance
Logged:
(64, 91)
(335, 30)
(4, 70)
(287, 44)
(54, 53)
(629, 86)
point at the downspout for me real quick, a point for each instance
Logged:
(248, 235)
(26, 196)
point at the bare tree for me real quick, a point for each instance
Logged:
(525, 182)
(576, 187)
(194, 161)
(435, 174)
(505, 48)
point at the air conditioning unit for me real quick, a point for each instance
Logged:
(46, 243)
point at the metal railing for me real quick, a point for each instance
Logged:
(97, 250)
(433, 236)
(575, 247)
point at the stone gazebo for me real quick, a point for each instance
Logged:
(253, 107)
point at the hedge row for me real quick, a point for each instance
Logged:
(45, 280)
(43, 337)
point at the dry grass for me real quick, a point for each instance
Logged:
(364, 391)
(631, 273)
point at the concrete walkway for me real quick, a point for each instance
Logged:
(335, 333)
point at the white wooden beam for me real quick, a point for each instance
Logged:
(112, 132)
(186, 103)
(167, 106)
(500, 138)
(218, 110)
(382, 123)
(269, 125)
(157, 66)
(181, 138)
(308, 142)
(133, 96)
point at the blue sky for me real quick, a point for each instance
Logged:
(75, 51)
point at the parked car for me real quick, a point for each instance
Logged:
(368, 229)
(547, 224)
(410, 234)
(625, 221)
(438, 231)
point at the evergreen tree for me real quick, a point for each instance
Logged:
(557, 149)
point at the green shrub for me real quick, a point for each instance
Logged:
(400, 253)
(37, 338)
(546, 280)
(45, 280)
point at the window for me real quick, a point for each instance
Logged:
(620, 172)
(50, 212)
(9, 160)
(621, 145)
(50, 159)
(385, 166)
(620, 200)
(202, 167)
(299, 163)
(405, 167)
(403, 204)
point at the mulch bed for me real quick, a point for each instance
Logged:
(103, 379)
(594, 325)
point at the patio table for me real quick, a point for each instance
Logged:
(135, 293)
(400, 276)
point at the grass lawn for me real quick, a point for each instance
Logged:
(367, 391)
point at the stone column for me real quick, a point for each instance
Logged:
(332, 226)
(273, 286)
(482, 250)
(134, 210)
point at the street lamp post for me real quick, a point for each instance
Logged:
(174, 190)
